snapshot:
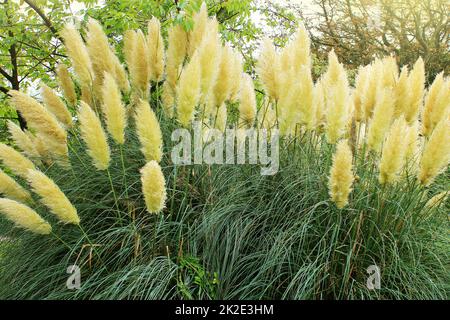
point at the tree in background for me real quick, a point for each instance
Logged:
(360, 30)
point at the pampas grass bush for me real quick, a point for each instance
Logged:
(363, 176)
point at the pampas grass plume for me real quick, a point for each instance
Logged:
(197, 34)
(12, 190)
(56, 106)
(94, 136)
(78, 54)
(99, 52)
(129, 42)
(121, 75)
(338, 103)
(416, 84)
(24, 217)
(436, 153)
(153, 187)
(44, 122)
(148, 131)
(382, 118)
(360, 88)
(188, 91)
(66, 84)
(23, 140)
(209, 56)
(437, 200)
(268, 68)
(393, 155)
(247, 106)
(113, 109)
(401, 93)
(222, 88)
(168, 99)
(15, 161)
(236, 76)
(176, 53)
(341, 175)
(437, 104)
(156, 50)
(139, 67)
(52, 197)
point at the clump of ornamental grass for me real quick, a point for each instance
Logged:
(362, 180)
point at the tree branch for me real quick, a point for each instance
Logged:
(4, 90)
(46, 20)
(5, 74)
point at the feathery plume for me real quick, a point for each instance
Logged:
(66, 84)
(94, 136)
(319, 102)
(437, 104)
(153, 187)
(269, 69)
(41, 147)
(52, 197)
(289, 95)
(222, 88)
(188, 91)
(402, 93)
(209, 56)
(416, 84)
(412, 143)
(56, 106)
(86, 95)
(148, 131)
(247, 107)
(176, 52)
(99, 52)
(393, 155)
(78, 54)
(369, 99)
(338, 101)
(436, 153)
(389, 72)
(22, 140)
(156, 50)
(168, 99)
(437, 200)
(286, 58)
(197, 34)
(113, 109)
(140, 64)
(129, 42)
(121, 74)
(23, 216)
(301, 56)
(382, 118)
(15, 161)
(341, 175)
(307, 111)
(220, 117)
(236, 76)
(360, 88)
(44, 122)
(334, 70)
(12, 190)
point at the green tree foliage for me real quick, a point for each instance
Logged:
(360, 30)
